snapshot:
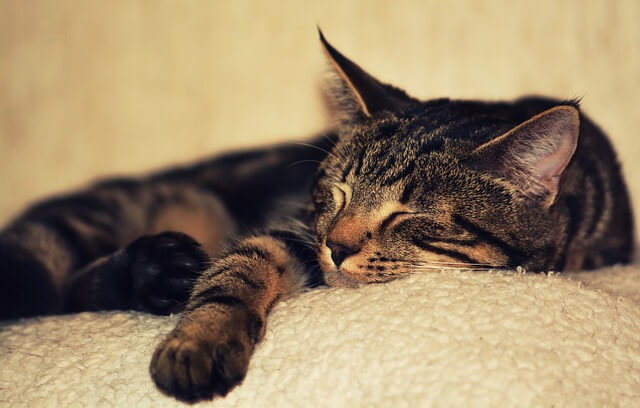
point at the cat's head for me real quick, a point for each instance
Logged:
(414, 185)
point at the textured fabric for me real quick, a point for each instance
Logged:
(439, 339)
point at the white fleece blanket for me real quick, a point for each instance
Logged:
(439, 339)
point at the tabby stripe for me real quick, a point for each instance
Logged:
(407, 191)
(592, 171)
(305, 253)
(456, 241)
(390, 162)
(436, 127)
(360, 162)
(226, 300)
(346, 171)
(216, 272)
(385, 130)
(385, 223)
(246, 279)
(273, 302)
(450, 129)
(214, 295)
(404, 173)
(441, 251)
(301, 250)
(515, 255)
(94, 220)
(252, 252)
(80, 249)
(414, 130)
(574, 213)
(254, 326)
(211, 289)
(431, 146)
(77, 203)
(472, 126)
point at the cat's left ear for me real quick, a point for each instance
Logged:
(356, 93)
(534, 155)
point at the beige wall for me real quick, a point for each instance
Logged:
(91, 88)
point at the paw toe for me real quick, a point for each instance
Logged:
(182, 368)
(192, 370)
(164, 269)
(184, 263)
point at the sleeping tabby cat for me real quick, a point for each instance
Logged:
(401, 185)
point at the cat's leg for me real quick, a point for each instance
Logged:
(27, 287)
(154, 274)
(42, 249)
(208, 352)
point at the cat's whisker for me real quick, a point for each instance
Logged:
(456, 268)
(319, 148)
(308, 244)
(454, 263)
(328, 138)
(304, 161)
(445, 266)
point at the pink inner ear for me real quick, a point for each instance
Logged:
(534, 155)
(549, 169)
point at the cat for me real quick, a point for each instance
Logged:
(399, 185)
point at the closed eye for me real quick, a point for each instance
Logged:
(393, 217)
(340, 198)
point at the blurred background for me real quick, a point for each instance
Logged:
(94, 88)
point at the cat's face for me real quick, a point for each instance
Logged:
(406, 188)
(391, 202)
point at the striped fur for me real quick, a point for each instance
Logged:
(400, 186)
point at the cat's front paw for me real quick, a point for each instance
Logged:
(163, 270)
(192, 368)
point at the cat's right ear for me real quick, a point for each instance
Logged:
(534, 155)
(356, 94)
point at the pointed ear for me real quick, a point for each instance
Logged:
(356, 93)
(534, 155)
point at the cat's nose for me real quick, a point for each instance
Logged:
(340, 252)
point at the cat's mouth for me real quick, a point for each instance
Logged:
(335, 276)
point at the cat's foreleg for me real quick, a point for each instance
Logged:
(153, 274)
(208, 352)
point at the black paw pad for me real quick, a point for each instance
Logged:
(164, 268)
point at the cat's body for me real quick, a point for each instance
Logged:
(401, 185)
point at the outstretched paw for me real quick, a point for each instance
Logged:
(164, 268)
(191, 368)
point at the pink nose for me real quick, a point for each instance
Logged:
(340, 252)
(347, 237)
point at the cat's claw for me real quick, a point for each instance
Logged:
(163, 269)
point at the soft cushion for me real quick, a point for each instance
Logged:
(448, 338)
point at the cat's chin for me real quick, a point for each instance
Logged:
(338, 279)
